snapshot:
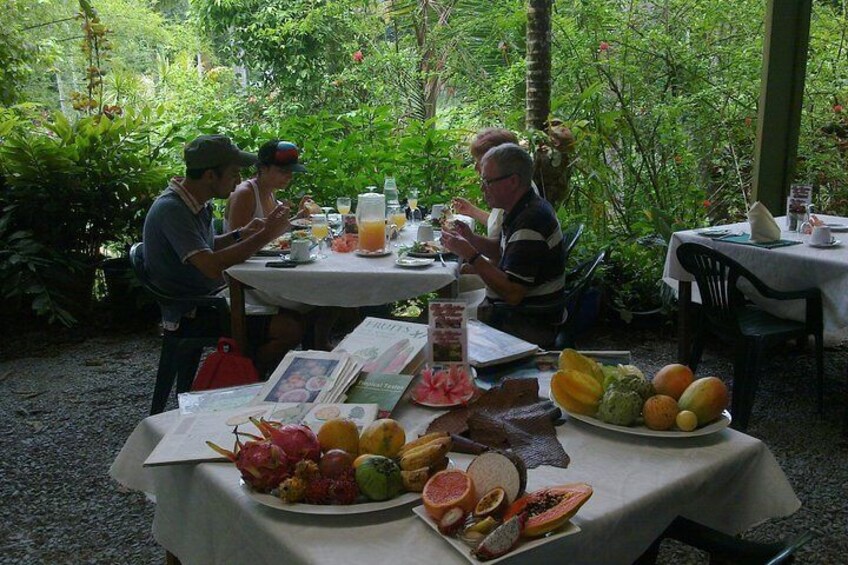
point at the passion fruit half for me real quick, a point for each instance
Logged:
(493, 503)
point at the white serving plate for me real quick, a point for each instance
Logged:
(414, 262)
(524, 545)
(642, 430)
(272, 501)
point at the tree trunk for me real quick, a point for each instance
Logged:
(538, 64)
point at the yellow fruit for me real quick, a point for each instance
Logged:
(686, 420)
(382, 437)
(577, 392)
(339, 433)
(570, 359)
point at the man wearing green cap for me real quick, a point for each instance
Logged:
(184, 257)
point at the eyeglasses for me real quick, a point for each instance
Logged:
(486, 183)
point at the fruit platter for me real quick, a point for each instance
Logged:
(338, 470)
(484, 513)
(621, 398)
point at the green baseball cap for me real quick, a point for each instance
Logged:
(210, 151)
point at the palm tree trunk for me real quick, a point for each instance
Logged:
(538, 64)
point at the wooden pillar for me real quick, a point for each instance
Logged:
(785, 46)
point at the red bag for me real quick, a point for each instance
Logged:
(225, 367)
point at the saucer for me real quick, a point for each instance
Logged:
(713, 232)
(833, 243)
(312, 259)
(373, 253)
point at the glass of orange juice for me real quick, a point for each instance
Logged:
(320, 231)
(343, 205)
(395, 215)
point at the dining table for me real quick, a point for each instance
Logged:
(790, 267)
(346, 280)
(725, 480)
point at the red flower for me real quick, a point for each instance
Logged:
(706, 203)
(358, 56)
(604, 46)
(837, 108)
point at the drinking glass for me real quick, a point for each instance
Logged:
(343, 205)
(412, 200)
(396, 215)
(320, 231)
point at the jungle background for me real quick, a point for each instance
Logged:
(652, 125)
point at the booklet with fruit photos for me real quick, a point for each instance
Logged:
(186, 441)
(386, 346)
(310, 376)
(448, 333)
(384, 389)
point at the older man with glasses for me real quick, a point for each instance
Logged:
(526, 264)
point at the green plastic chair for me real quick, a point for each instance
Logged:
(730, 315)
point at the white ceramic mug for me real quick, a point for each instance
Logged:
(821, 235)
(425, 233)
(436, 212)
(300, 250)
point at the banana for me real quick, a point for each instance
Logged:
(438, 465)
(425, 455)
(414, 481)
(423, 440)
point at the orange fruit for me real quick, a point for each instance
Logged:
(339, 433)
(660, 412)
(672, 380)
(448, 489)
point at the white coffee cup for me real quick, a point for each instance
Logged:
(436, 211)
(425, 233)
(821, 235)
(300, 250)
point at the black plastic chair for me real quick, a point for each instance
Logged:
(728, 313)
(570, 236)
(182, 348)
(564, 308)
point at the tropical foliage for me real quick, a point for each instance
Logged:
(658, 100)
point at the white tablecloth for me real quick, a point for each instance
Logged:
(345, 279)
(728, 481)
(783, 268)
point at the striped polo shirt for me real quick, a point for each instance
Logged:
(531, 247)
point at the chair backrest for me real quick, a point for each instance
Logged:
(577, 282)
(137, 262)
(717, 276)
(570, 236)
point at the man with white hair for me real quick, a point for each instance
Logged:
(526, 264)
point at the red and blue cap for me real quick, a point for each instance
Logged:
(283, 154)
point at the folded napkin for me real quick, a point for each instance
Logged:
(763, 226)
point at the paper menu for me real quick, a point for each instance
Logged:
(448, 333)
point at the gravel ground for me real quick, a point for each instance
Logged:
(70, 402)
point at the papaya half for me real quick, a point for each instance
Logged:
(549, 508)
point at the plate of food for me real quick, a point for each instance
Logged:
(380, 253)
(444, 388)
(426, 249)
(642, 430)
(414, 262)
(362, 507)
(302, 222)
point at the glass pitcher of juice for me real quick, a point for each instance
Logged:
(371, 222)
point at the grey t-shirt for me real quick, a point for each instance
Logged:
(172, 234)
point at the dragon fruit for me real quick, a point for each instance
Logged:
(298, 442)
(262, 464)
(501, 540)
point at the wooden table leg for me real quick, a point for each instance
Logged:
(238, 319)
(684, 321)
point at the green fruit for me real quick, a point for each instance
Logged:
(379, 478)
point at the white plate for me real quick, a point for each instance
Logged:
(414, 261)
(713, 232)
(301, 223)
(833, 243)
(523, 546)
(642, 430)
(373, 253)
(312, 259)
(272, 501)
(837, 227)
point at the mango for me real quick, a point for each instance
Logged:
(706, 397)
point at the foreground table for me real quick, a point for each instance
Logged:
(728, 481)
(783, 268)
(342, 279)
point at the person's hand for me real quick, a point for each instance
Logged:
(457, 245)
(461, 229)
(277, 221)
(462, 206)
(255, 226)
